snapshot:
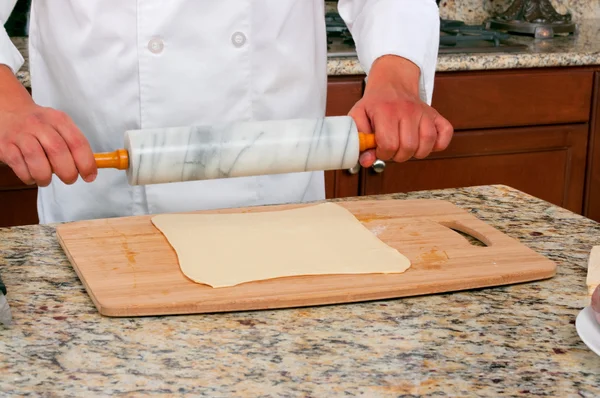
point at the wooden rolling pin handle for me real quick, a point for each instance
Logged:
(118, 159)
(366, 141)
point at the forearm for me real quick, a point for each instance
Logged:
(397, 71)
(13, 94)
(404, 28)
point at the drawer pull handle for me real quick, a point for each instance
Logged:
(355, 169)
(378, 166)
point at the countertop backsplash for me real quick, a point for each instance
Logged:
(477, 11)
(469, 11)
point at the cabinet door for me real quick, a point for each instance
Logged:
(592, 194)
(546, 162)
(19, 207)
(514, 98)
(18, 202)
(342, 93)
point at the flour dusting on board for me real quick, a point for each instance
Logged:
(377, 230)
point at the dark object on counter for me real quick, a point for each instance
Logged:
(458, 37)
(16, 25)
(5, 313)
(2, 286)
(533, 17)
(455, 37)
(337, 28)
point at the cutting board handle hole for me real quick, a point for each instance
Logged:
(470, 235)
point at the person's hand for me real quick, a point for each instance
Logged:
(36, 142)
(404, 125)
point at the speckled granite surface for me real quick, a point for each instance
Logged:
(23, 73)
(476, 11)
(578, 50)
(516, 340)
(583, 49)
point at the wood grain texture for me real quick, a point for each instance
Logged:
(510, 98)
(592, 183)
(18, 207)
(129, 269)
(548, 162)
(9, 180)
(18, 200)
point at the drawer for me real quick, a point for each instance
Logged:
(548, 162)
(530, 97)
(19, 207)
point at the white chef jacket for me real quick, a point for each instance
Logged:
(114, 65)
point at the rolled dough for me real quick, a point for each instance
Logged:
(222, 250)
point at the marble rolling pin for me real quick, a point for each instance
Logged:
(157, 156)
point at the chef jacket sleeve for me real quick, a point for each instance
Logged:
(406, 28)
(9, 54)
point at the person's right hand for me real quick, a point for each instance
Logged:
(36, 142)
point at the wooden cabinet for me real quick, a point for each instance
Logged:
(19, 207)
(592, 187)
(547, 162)
(537, 130)
(509, 98)
(18, 202)
(527, 129)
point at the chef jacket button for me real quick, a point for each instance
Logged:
(238, 39)
(156, 46)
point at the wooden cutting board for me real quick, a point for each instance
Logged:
(129, 268)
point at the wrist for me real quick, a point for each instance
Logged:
(13, 95)
(396, 71)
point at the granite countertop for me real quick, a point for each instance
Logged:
(23, 74)
(578, 50)
(575, 50)
(503, 341)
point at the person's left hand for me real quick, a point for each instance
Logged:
(404, 125)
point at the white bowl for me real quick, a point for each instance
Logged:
(588, 329)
